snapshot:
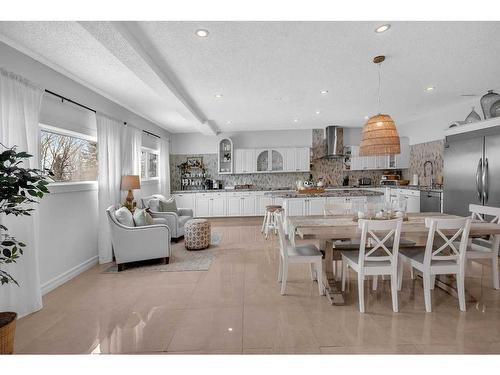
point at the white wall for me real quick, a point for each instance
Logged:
(68, 220)
(195, 143)
(431, 126)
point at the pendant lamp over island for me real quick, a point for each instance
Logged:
(379, 136)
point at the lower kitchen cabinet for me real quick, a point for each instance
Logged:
(233, 205)
(261, 202)
(184, 200)
(315, 206)
(248, 203)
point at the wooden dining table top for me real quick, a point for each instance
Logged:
(344, 226)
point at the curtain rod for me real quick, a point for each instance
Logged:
(90, 109)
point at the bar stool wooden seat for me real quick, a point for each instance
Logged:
(269, 222)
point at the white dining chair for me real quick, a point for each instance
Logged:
(377, 255)
(304, 254)
(485, 248)
(446, 259)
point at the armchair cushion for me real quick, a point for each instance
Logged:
(124, 217)
(168, 205)
(154, 205)
(142, 218)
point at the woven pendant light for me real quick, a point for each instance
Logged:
(380, 136)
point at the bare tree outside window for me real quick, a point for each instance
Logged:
(69, 158)
(153, 165)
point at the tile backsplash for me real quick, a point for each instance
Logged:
(419, 154)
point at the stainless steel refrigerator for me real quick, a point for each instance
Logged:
(471, 170)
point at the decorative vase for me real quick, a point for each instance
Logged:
(487, 101)
(472, 117)
(495, 109)
(7, 332)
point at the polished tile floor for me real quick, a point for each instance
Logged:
(236, 307)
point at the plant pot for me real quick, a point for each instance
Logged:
(7, 332)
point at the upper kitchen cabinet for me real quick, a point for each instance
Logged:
(225, 156)
(270, 160)
(277, 160)
(262, 160)
(297, 159)
(400, 161)
(244, 161)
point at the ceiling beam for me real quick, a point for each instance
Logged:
(126, 42)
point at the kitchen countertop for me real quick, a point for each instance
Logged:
(328, 193)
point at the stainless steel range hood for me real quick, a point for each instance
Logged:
(334, 137)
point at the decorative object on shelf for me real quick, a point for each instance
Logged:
(130, 182)
(473, 116)
(495, 109)
(193, 173)
(487, 101)
(20, 189)
(320, 183)
(195, 161)
(225, 156)
(299, 184)
(380, 136)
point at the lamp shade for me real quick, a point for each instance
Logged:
(379, 137)
(131, 182)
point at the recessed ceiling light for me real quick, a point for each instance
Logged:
(230, 329)
(318, 112)
(324, 92)
(382, 28)
(295, 120)
(430, 88)
(229, 122)
(202, 33)
(218, 96)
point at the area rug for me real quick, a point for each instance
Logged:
(180, 260)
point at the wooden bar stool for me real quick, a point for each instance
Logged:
(270, 219)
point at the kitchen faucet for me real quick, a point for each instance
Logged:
(432, 171)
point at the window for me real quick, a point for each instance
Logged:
(69, 157)
(149, 164)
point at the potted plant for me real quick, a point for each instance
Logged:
(20, 188)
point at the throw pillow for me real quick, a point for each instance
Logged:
(124, 217)
(149, 218)
(154, 204)
(168, 205)
(140, 217)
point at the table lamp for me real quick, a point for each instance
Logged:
(130, 183)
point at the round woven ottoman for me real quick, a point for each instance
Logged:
(197, 234)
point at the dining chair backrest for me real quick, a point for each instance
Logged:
(382, 238)
(481, 212)
(450, 231)
(284, 243)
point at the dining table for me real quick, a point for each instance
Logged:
(335, 231)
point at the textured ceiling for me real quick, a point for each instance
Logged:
(270, 73)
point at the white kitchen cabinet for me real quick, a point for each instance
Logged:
(244, 160)
(202, 204)
(295, 207)
(225, 156)
(315, 206)
(278, 201)
(261, 202)
(248, 203)
(217, 205)
(412, 198)
(302, 159)
(233, 204)
(262, 160)
(290, 160)
(184, 200)
(277, 160)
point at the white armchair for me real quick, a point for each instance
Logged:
(131, 244)
(175, 220)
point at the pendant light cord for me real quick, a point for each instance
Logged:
(379, 85)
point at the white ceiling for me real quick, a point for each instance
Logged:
(269, 73)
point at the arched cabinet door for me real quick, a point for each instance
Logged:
(262, 160)
(277, 161)
(225, 156)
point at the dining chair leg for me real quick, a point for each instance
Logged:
(375, 282)
(433, 281)
(361, 292)
(427, 291)
(284, 276)
(313, 272)
(344, 274)
(394, 291)
(319, 277)
(263, 223)
(400, 274)
(494, 273)
(268, 222)
(461, 290)
(412, 275)
(280, 270)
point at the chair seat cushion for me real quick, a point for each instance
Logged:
(124, 217)
(417, 254)
(353, 256)
(183, 220)
(304, 250)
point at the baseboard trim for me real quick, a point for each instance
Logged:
(69, 274)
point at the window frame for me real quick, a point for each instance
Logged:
(57, 187)
(149, 151)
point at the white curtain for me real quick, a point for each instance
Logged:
(110, 135)
(20, 103)
(131, 151)
(165, 166)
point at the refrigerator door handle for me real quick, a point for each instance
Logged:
(485, 181)
(479, 172)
